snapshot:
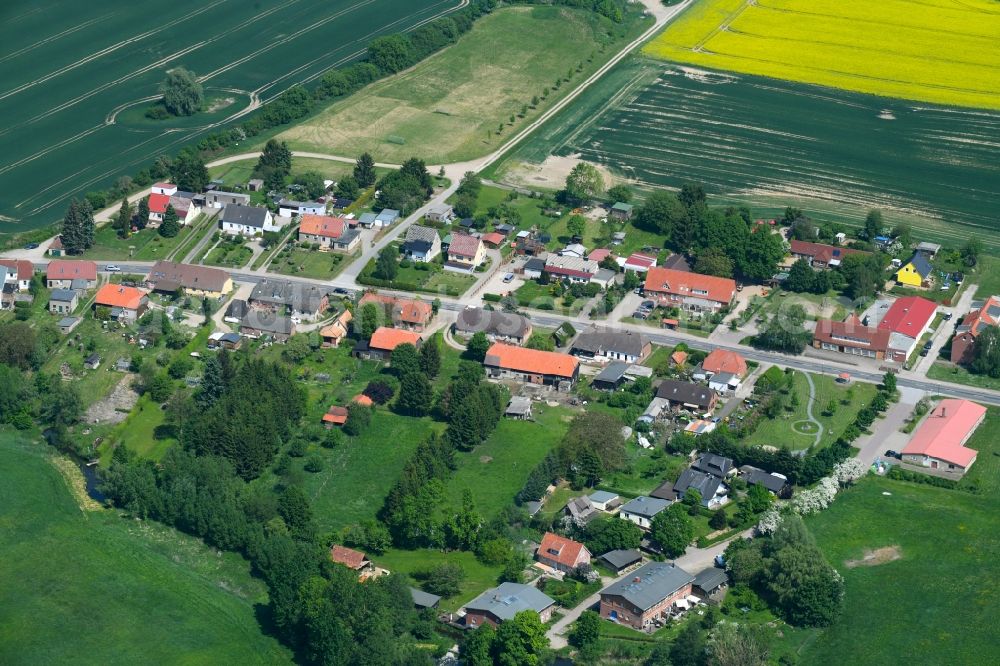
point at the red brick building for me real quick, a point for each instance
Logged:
(650, 592)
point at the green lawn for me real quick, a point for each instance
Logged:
(780, 431)
(645, 470)
(143, 432)
(935, 604)
(817, 306)
(228, 254)
(310, 263)
(146, 245)
(478, 576)
(532, 294)
(82, 586)
(946, 371)
(984, 475)
(434, 281)
(497, 469)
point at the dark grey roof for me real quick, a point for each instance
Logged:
(237, 309)
(685, 392)
(535, 264)
(493, 322)
(665, 491)
(603, 340)
(299, 296)
(230, 337)
(647, 507)
(677, 262)
(613, 372)
(64, 295)
(66, 322)
(78, 284)
(417, 246)
(711, 579)
(423, 599)
(754, 475)
(619, 559)
(251, 216)
(169, 275)
(267, 322)
(711, 463)
(922, 265)
(706, 484)
(649, 584)
(92, 359)
(348, 236)
(509, 599)
(417, 232)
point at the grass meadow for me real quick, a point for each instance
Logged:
(76, 78)
(91, 587)
(449, 107)
(937, 51)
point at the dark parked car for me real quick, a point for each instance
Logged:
(31, 246)
(891, 454)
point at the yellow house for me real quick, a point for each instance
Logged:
(466, 252)
(916, 272)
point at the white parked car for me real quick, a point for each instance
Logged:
(111, 268)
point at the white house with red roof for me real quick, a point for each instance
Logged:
(20, 273)
(465, 253)
(939, 442)
(906, 320)
(638, 262)
(185, 207)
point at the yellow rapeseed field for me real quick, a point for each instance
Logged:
(942, 51)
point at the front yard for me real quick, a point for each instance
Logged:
(145, 245)
(310, 263)
(229, 253)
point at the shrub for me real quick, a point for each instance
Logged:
(314, 465)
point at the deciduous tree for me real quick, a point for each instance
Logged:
(182, 92)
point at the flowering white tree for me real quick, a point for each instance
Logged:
(850, 470)
(769, 522)
(816, 499)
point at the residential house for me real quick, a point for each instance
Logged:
(851, 337)
(335, 416)
(126, 303)
(777, 484)
(60, 273)
(712, 489)
(907, 320)
(499, 604)
(289, 208)
(519, 408)
(498, 326)
(422, 243)
(574, 269)
(721, 361)
(333, 334)
(442, 213)
(604, 277)
(220, 199)
(711, 463)
(20, 273)
(614, 345)
(821, 256)
(422, 600)
(185, 208)
(258, 323)
(533, 268)
(239, 220)
(561, 553)
(642, 598)
(531, 366)
(163, 188)
(917, 272)
(168, 276)
(333, 233)
(602, 500)
(284, 297)
(939, 441)
(963, 344)
(383, 341)
(686, 395)
(620, 212)
(407, 313)
(600, 254)
(386, 218)
(63, 301)
(621, 560)
(465, 253)
(642, 510)
(581, 511)
(638, 262)
(689, 291)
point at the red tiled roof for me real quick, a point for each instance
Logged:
(493, 238)
(821, 252)
(908, 315)
(535, 361)
(560, 549)
(336, 415)
(640, 260)
(851, 333)
(944, 432)
(721, 360)
(464, 245)
(322, 225)
(23, 267)
(682, 283)
(407, 310)
(599, 255)
(71, 269)
(977, 319)
(117, 296)
(158, 203)
(387, 339)
(349, 557)
(679, 357)
(363, 400)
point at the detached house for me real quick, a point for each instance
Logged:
(407, 313)
(61, 273)
(685, 395)
(333, 334)
(531, 366)
(712, 489)
(499, 604)
(822, 256)
(294, 299)
(917, 272)
(19, 273)
(645, 596)
(963, 344)
(184, 206)
(333, 233)
(422, 243)
(465, 253)
(642, 510)
(689, 291)
(352, 559)
(602, 343)
(498, 326)
(383, 341)
(561, 553)
(126, 303)
(239, 220)
(571, 268)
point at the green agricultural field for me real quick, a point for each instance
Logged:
(89, 586)
(930, 605)
(769, 144)
(449, 108)
(77, 78)
(936, 51)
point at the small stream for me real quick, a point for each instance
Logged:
(90, 476)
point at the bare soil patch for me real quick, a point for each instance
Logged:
(873, 558)
(116, 406)
(550, 174)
